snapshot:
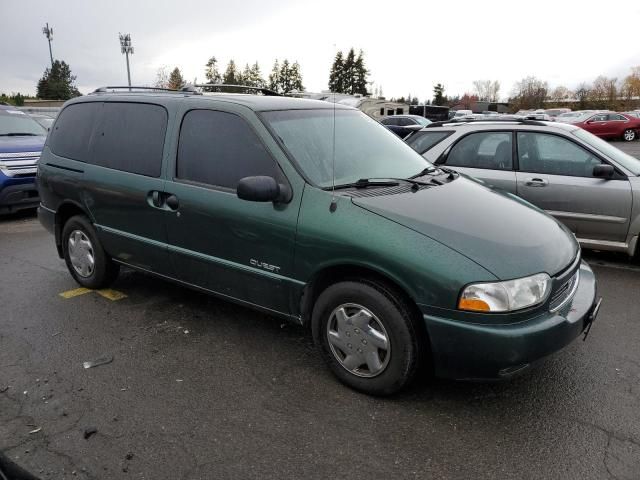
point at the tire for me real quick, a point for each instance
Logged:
(629, 135)
(80, 244)
(357, 316)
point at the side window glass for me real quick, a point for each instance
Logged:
(74, 130)
(491, 150)
(599, 118)
(131, 138)
(219, 149)
(553, 155)
(424, 141)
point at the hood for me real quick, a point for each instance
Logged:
(498, 231)
(22, 144)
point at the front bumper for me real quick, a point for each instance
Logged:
(17, 193)
(471, 350)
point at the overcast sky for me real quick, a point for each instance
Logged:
(409, 46)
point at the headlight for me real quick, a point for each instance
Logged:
(505, 296)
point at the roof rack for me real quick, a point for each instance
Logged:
(189, 89)
(524, 121)
(228, 88)
(132, 89)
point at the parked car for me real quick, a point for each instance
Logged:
(21, 141)
(556, 112)
(635, 113)
(45, 121)
(583, 181)
(610, 125)
(316, 213)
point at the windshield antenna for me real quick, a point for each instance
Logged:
(334, 204)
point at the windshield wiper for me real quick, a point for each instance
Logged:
(18, 134)
(365, 182)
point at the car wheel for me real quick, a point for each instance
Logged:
(367, 337)
(629, 135)
(86, 260)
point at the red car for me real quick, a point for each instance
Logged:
(610, 125)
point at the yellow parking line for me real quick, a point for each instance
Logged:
(75, 292)
(111, 294)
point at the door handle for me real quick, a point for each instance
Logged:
(154, 199)
(536, 182)
(172, 202)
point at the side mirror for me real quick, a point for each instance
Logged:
(603, 171)
(262, 189)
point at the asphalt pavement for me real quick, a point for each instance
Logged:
(198, 388)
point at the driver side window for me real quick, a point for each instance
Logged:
(553, 155)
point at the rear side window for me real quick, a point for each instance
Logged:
(74, 130)
(491, 150)
(422, 142)
(131, 138)
(219, 149)
(122, 136)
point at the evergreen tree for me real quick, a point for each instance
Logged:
(360, 74)
(349, 72)
(274, 77)
(438, 95)
(296, 77)
(211, 71)
(256, 76)
(336, 74)
(231, 75)
(246, 77)
(285, 77)
(176, 82)
(57, 83)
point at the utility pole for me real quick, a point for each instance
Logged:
(126, 48)
(48, 32)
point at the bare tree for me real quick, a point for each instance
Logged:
(162, 77)
(486, 90)
(582, 93)
(528, 93)
(560, 94)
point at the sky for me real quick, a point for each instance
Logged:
(408, 46)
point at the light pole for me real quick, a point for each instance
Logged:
(48, 32)
(126, 48)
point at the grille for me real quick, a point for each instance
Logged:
(19, 166)
(565, 292)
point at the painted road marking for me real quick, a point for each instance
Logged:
(113, 295)
(108, 293)
(75, 292)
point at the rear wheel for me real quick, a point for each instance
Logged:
(629, 135)
(367, 336)
(86, 260)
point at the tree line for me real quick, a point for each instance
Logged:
(285, 77)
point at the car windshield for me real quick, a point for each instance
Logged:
(14, 122)
(363, 147)
(627, 161)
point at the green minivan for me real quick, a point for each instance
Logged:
(316, 213)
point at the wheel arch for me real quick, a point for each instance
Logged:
(332, 274)
(65, 211)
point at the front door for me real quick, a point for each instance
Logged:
(556, 175)
(236, 248)
(486, 156)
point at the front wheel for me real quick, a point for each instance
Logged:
(367, 336)
(629, 135)
(86, 260)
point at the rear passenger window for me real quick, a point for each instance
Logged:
(491, 150)
(131, 138)
(122, 136)
(219, 149)
(74, 130)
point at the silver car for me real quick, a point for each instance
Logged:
(582, 180)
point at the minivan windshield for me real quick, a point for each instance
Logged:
(363, 147)
(16, 123)
(624, 159)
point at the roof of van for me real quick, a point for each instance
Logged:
(254, 102)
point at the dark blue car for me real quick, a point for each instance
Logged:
(21, 142)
